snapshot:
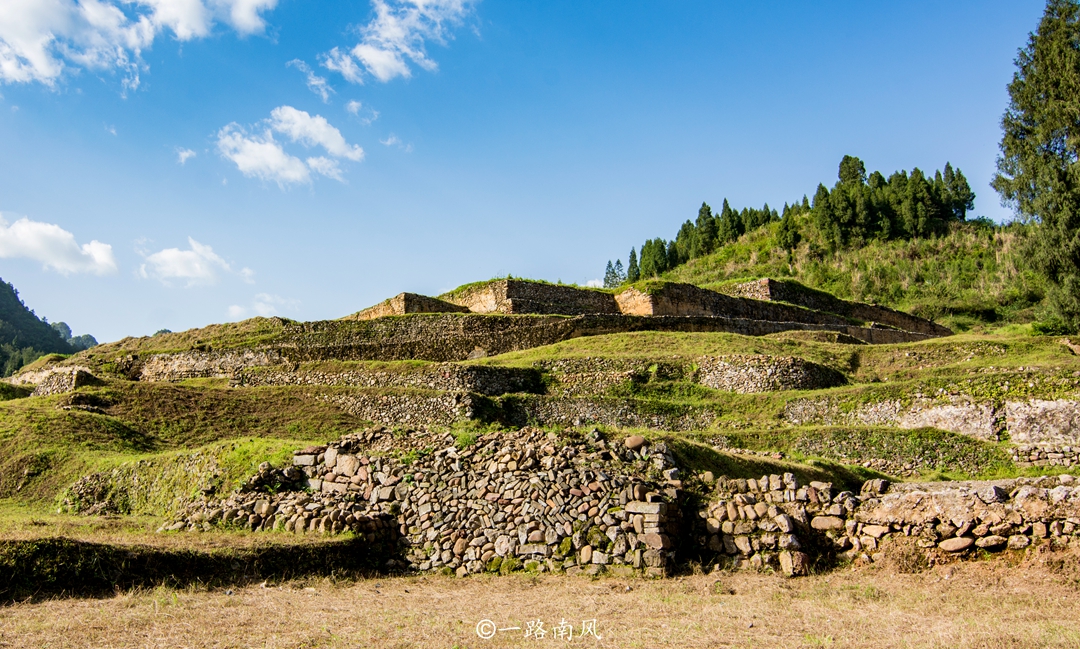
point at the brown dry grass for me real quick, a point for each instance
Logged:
(987, 604)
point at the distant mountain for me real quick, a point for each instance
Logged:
(23, 336)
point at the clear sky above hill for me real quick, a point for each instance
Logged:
(173, 163)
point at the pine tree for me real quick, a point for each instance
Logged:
(705, 232)
(1038, 170)
(633, 273)
(609, 276)
(620, 274)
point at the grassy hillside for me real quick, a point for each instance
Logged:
(970, 277)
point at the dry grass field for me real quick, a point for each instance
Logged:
(1003, 602)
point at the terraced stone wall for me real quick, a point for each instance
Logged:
(446, 377)
(794, 293)
(672, 299)
(509, 296)
(404, 303)
(1034, 423)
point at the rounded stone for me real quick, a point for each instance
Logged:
(990, 542)
(634, 442)
(957, 544)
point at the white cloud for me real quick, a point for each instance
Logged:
(301, 127)
(259, 155)
(342, 63)
(197, 265)
(55, 247)
(183, 155)
(394, 140)
(40, 38)
(396, 36)
(325, 166)
(315, 83)
(264, 304)
(355, 108)
(595, 283)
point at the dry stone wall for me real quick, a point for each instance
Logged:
(1042, 422)
(673, 299)
(403, 303)
(62, 380)
(963, 416)
(509, 296)
(408, 409)
(199, 364)
(1035, 423)
(513, 500)
(623, 413)
(775, 522)
(794, 293)
(751, 374)
(446, 377)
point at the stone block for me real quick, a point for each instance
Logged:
(304, 460)
(825, 523)
(637, 507)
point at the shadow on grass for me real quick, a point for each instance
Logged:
(60, 567)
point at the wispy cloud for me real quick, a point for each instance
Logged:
(54, 247)
(396, 36)
(260, 155)
(183, 155)
(365, 115)
(315, 83)
(198, 265)
(40, 38)
(394, 140)
(263, 304)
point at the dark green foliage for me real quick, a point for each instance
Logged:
(614, 274)
(904, 206)
(633, 272)
(23, 336)
(654, 258)
(787, 235)
(78, 343)
(1039, 166)
(704, 232)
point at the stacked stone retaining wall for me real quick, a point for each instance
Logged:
(527, 500)
(509, 296)
(794, 293)
(1034, 423)
(442, 376)
(773, 521)
(404, 303)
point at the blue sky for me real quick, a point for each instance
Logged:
(174, 163)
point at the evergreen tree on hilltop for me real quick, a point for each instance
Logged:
(1039, 167)
(633, 272)
(609, 276)
(705, 232)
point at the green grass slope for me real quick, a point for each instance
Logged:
(967, 278)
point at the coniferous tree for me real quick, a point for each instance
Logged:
(620, 274)
(1039, 165)
(633, 272)
(705, 232)
(609, 276)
